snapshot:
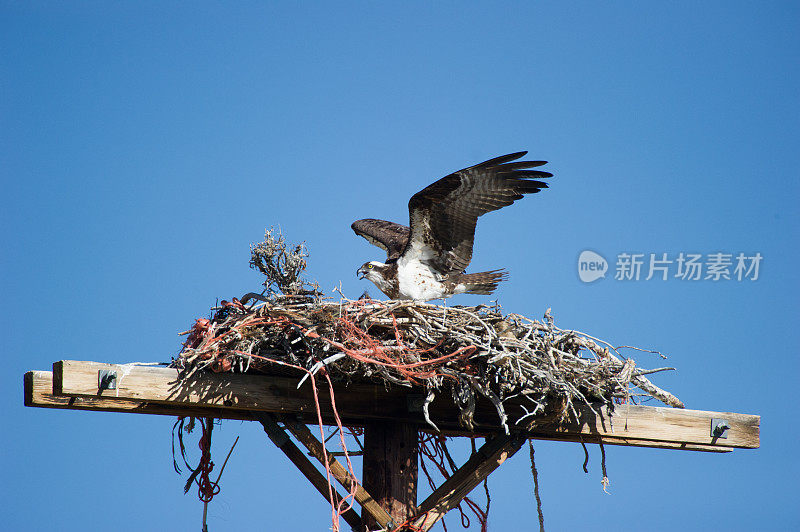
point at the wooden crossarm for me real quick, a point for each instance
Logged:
(38, 392)
(479, 466)
(339, 472)
(236, 396)
(281, 440)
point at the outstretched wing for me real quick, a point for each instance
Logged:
(389, 236)
(444, 214)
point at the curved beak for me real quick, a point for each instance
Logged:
(361, 273)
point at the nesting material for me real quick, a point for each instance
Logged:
(467, 352)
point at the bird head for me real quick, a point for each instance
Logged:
(372, 270)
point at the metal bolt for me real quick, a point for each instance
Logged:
(719, 428)
(106, 380)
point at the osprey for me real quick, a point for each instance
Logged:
(428, 260)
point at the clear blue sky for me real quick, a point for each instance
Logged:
(144, 145)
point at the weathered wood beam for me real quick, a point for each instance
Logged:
(340, 473)
(634, 442)
(38, 392)
(233, 396)
(232, 391)
(38, 386)
(282, 441)
(677, 425)
(479, 466)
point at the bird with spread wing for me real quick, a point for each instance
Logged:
(428, 260)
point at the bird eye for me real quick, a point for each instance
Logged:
(369, 266)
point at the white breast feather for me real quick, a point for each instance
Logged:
(417, 281)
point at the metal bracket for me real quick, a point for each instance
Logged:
(719, 428)
(106, 380)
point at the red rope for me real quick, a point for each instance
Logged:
(336, 509)
(360, 345)
(206, 489)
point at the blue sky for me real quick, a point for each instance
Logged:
(145, 145)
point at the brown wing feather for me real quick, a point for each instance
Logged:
(444, 214)
(389, 236)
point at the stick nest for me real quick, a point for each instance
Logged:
(467, 352)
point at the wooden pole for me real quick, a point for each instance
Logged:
(391, 468)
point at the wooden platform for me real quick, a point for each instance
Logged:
(391, 417)
(157, 390)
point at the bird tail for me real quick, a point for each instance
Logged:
(483, 283)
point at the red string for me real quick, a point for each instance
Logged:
(336, 509)
(206, 489)
(360, 345)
